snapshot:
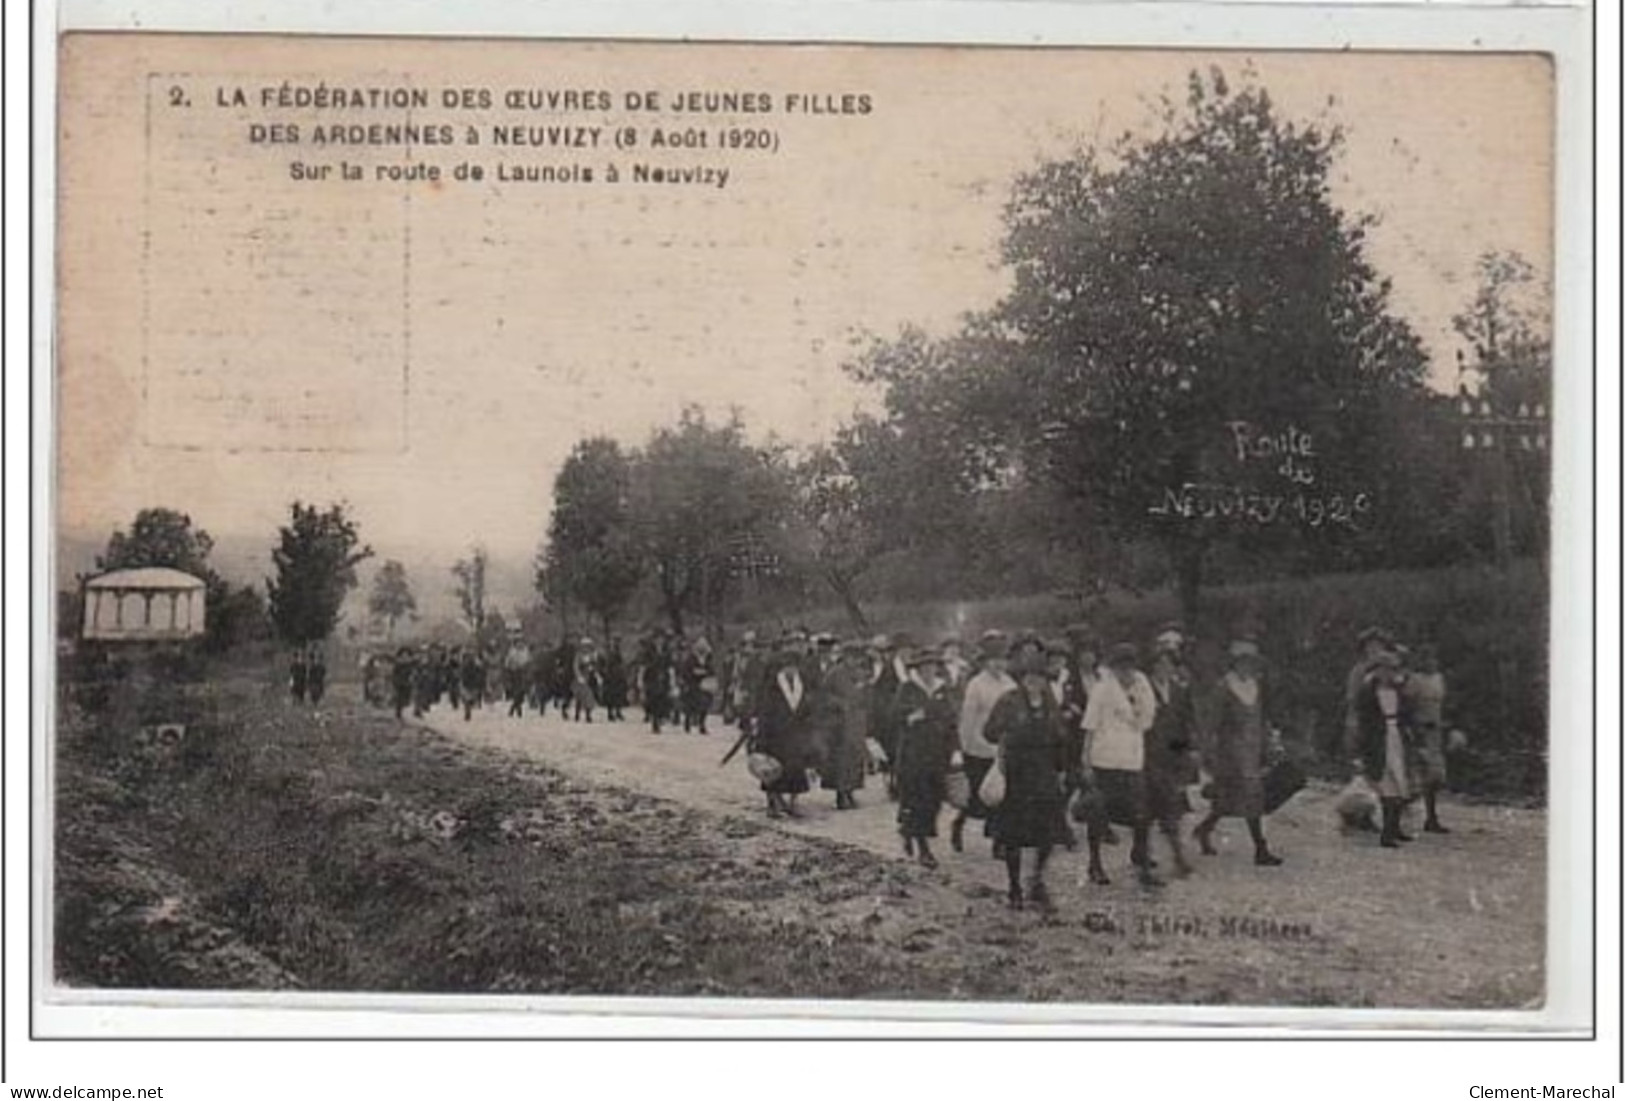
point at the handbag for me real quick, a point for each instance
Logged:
(991, 792)
(765, 768)
(957, 789)
(1357, 802)
(877, 753)
(1087, 804)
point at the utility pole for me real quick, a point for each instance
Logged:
(1494, 436)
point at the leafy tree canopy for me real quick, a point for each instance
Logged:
(315, 560)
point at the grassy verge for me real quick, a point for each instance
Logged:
(276, 848)
(283, 849)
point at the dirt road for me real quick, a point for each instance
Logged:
(1451, 921)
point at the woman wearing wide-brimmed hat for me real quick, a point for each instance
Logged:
(783, 725)
(925, 750)
(1025, 726)
(990, 683)
(1234, 751)
(1122, 709)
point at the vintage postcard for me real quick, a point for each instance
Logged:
(963, 531)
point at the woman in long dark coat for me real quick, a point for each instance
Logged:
(615, 682)
(784, 732)
(1026, 727)
(1235, 752)
(402, 675)
(927, 744)
(846, 690)
(1169, 765)
(316, 675)
(657, 678)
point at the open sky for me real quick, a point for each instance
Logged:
(433, 351)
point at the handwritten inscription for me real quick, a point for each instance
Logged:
(1214, 501)
(1277, 486)
(1293, 450)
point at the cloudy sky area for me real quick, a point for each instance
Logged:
(542, 314)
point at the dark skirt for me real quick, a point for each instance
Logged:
(1119, 796)
(1165, 783)
(1166, 800)
(845, 761)
(790, 746)
(615, 690)
(1237, 794)
(919, 802)
(792, 781)
(1031, 816)
(696, 700)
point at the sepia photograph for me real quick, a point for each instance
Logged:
(980, 527)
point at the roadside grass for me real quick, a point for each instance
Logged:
(347, 852)
(340, 851)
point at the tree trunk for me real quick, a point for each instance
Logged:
(1188, 557)
(671, 598)
(849, 600)
(674, 610)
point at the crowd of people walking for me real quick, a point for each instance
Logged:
(1031, 738)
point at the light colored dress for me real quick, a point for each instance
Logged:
(1395, 781)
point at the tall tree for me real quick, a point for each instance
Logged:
(315, 560)
(1178, 297)
(699, 492)
(160, 537)
(592, 558)
(391, 598)
(1508, 326)
(836, 538)
(470, 574)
